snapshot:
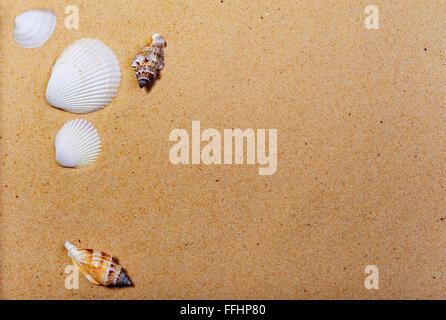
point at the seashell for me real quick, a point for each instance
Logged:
(150, 60)
(98, 267)
(77, 144)
(33, 28)
(85, 78)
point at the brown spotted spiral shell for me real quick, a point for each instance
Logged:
(150, 60)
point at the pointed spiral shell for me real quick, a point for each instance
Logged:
(150, 60)
(98, 267)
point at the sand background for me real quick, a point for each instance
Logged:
(361, 149)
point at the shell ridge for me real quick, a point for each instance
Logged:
(106, 86)
(113, 75)
(84, 146)
(75, 89)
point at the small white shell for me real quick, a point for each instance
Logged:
(85, 78)
(33, 28)
(77, 144)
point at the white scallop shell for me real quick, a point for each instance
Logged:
(85, 78)
(33, 28)
(77, 144)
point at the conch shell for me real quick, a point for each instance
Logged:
(150, 60)
(98, 267)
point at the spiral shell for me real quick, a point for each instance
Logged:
(98, 267)
(150, 60)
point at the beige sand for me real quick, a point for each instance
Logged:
(362, 152)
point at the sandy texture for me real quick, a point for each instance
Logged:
(362, 151)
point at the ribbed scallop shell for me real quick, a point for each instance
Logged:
(150, 60)
(85, 78)
(77, 144)
(98, 267)
(33, 28)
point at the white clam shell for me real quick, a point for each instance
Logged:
(77, 144)
(33, 28)
(85, 78)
